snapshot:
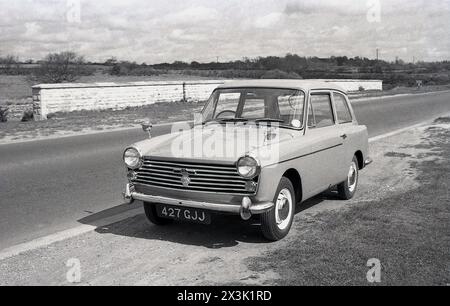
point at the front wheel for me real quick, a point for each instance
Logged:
(152, 215)
(276, 223)
(347, 189)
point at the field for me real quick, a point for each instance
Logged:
(13, 88)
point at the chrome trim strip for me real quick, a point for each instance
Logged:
(189, 161)
(186, 165)
(193, 182)
(172, 174)
(201, 171)
(305, 155)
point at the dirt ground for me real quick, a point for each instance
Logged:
(401, 216)
(404, 222)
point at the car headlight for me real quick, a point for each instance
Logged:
(132, 158)
(248, 167)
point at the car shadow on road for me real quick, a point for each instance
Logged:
(326, 196)
(225, 231)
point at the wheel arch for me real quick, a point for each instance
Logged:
(359, 155)
(294, 176)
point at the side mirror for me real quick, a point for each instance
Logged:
(147, 127)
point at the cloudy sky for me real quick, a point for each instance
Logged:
(155, 31)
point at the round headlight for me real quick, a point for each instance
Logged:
(248, 167)
(132, 158)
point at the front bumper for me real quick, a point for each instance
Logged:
(246, 209)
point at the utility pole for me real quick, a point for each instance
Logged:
(378, 54)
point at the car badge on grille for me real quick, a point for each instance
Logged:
(185, 179)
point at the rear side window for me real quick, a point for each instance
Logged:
(320, 112)
(342, 109)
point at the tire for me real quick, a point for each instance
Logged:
(348, 188)
(276, 223)
(152, 216)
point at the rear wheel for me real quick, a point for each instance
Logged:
(152, 215)
(347, 189)
(276, 223)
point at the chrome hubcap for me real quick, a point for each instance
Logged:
(284, 209)
(353, 177)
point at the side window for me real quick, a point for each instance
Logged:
(320, 112)
(342, 109)
(227, 105)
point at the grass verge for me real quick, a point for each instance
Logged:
(77, 122)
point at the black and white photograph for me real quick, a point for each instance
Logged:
(224, 150)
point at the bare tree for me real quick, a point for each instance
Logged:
(60, 68)
(10, 64)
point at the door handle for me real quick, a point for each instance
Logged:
(344, 136)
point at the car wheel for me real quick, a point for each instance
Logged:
(347, 189)
(276, 223)
(152, 215)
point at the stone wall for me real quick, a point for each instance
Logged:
(54, 98)
(354, 85)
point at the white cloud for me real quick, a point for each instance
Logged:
(182, 35)
(269, 20)
(160, 30)
(191, 15)
(32, 29)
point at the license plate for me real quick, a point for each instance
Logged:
(183, 214)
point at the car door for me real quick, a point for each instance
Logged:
(325, 143)
(346, 128)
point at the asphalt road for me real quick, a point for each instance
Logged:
(51, 185)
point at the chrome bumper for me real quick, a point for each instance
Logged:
(367, 162)
(246, 209)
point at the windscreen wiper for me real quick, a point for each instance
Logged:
(269, 120)
(233, 120)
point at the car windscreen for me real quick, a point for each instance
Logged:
(283, 106)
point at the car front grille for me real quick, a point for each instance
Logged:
(197, 177)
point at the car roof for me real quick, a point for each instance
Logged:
(305, 85)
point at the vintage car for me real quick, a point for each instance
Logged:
(308, 142)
